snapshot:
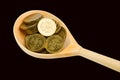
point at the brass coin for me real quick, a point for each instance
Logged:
(62, 33)
(35, 42)
(33, 18)
(29, 29)
(54, 43)
(58, 28)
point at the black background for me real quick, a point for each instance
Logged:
(94, 25)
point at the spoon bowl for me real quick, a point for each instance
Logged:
(71, 47)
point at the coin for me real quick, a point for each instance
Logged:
(35, 42)
(62, 33)
(29, 29)
(54, 43)
(58, 28)
(33, 18)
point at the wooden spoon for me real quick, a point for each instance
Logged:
(71, 47)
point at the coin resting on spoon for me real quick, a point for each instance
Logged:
(43, 35)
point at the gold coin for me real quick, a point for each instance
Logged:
(33, 18)
(58, 28)
(54, 43)
(62, 33)
(29, 29)
(35, 42)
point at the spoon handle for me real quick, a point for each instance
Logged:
(101, 59)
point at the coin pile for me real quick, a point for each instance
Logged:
(43, 35)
